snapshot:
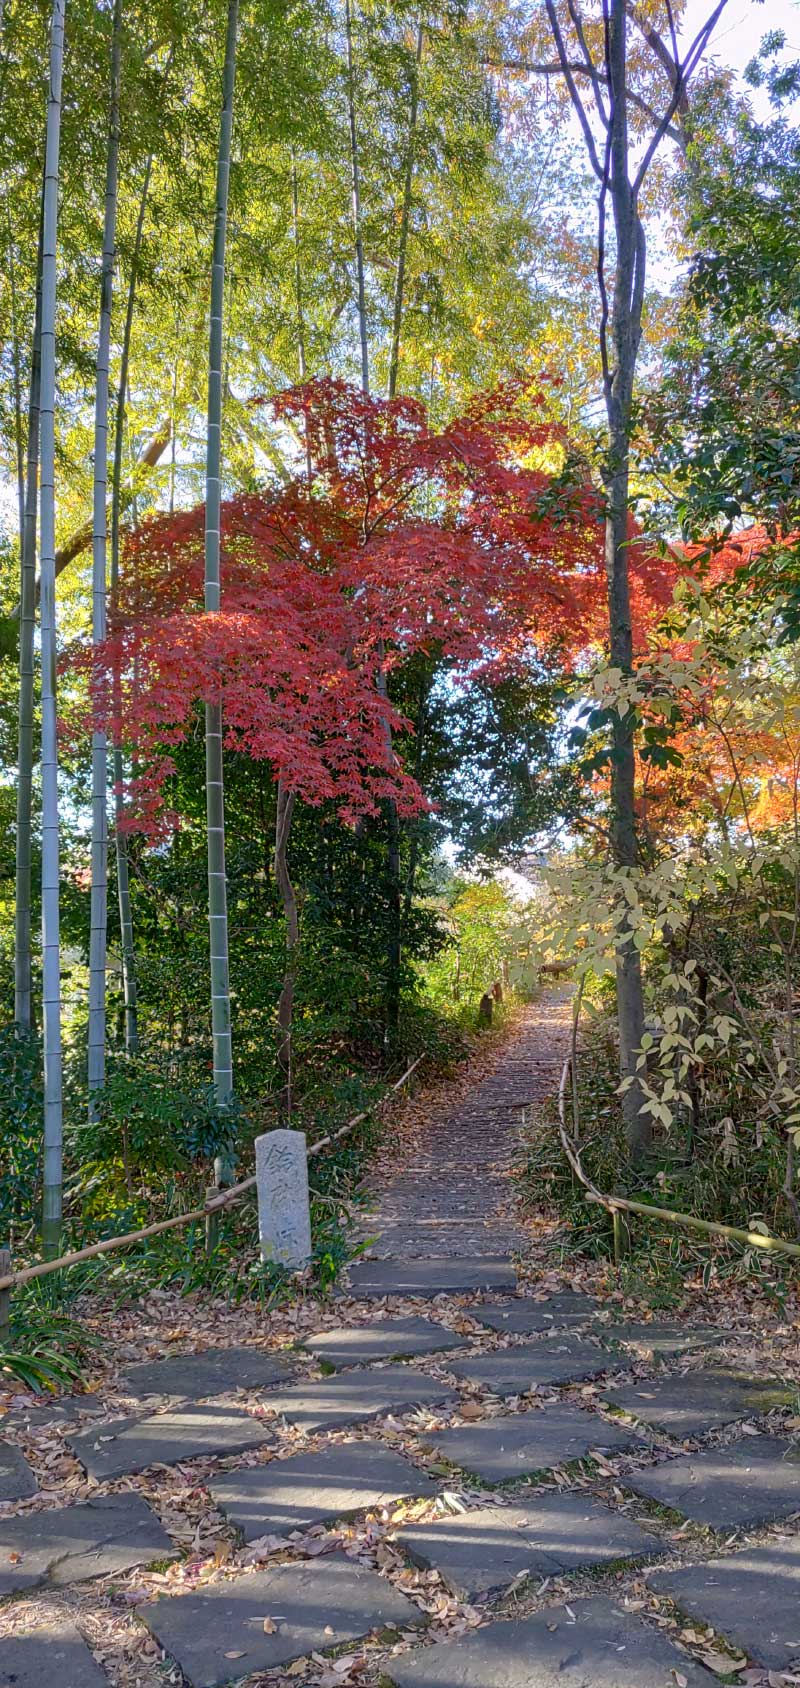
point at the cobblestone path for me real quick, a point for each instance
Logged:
(437, 1479)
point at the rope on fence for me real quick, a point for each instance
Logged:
(214, 1203)
(669, 1216)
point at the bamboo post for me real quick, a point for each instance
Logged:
(622, 1235)
(5, 1298)
(212, 1220)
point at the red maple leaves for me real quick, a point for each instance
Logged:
(405, 539)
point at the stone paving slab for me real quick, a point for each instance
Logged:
(512, 1371)
(65, 1410)
(659, 1341)
(196, 1377)
(17, 1481)
(751, 1597)
(502, 1449)
(483, 1551)
(526, 1316)
(95, 1539)
(353, 1397)
(443, 1276)
(387, 1339)
(124, 1446)
(315, 1606)
(589, 1644)
(49, 1655)
(754, 1482)
(691, 1403)
(292, 1494)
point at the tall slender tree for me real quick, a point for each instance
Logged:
(215, 799)
(120, 839)
(98, 933)
(121, 861)
(621, 271)
(392, 821)
(405, 216)
(23, 999)
(355, 176)
(52, 1181)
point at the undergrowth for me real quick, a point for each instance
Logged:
(686, 1172)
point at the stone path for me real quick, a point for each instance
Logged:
(454, 1197)
(448, 1483)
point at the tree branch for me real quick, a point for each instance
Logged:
(531, 67)
(573, 90)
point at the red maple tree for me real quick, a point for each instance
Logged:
(396, 538)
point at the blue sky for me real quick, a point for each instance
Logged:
(742, 26)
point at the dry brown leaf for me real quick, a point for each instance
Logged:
(270, 1627)
(680, 1680)
(722, 1663)
(471, 1410)
(234, 1654)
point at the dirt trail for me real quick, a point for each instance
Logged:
(452, 1195)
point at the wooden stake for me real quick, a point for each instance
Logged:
(5, 1298)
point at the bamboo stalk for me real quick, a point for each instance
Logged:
(9, 1279)
(23, 1010)
(215, 800)
(51, 947)
(714, 1227)
(98, 929)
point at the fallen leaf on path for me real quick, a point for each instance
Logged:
(722, 1663)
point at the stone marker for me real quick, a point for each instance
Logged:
(588, 1644)
(53, 1654)
(17, 1481)
(688, 1405)
(431, 1277)
(355, 1396)
(95, 1539)
(127, 1445)
(512, 1371)
(292, 1494)
(526, 1317)
(751, 1597)
(751, 1483)
(483, 1551)
(503, 1449)
(387, 1339)
(194, 1377)
(659, 1341)
(314, 1607)
(284, 1214)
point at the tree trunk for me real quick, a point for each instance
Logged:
(19, 450)
(392, 823)
(51, 948)
(215, 801)
(129, 985)
(356, 190)
(98, 934)
(298, 299)
(405, 219)
(23, 1006)
(283, 824)
(619, 362)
